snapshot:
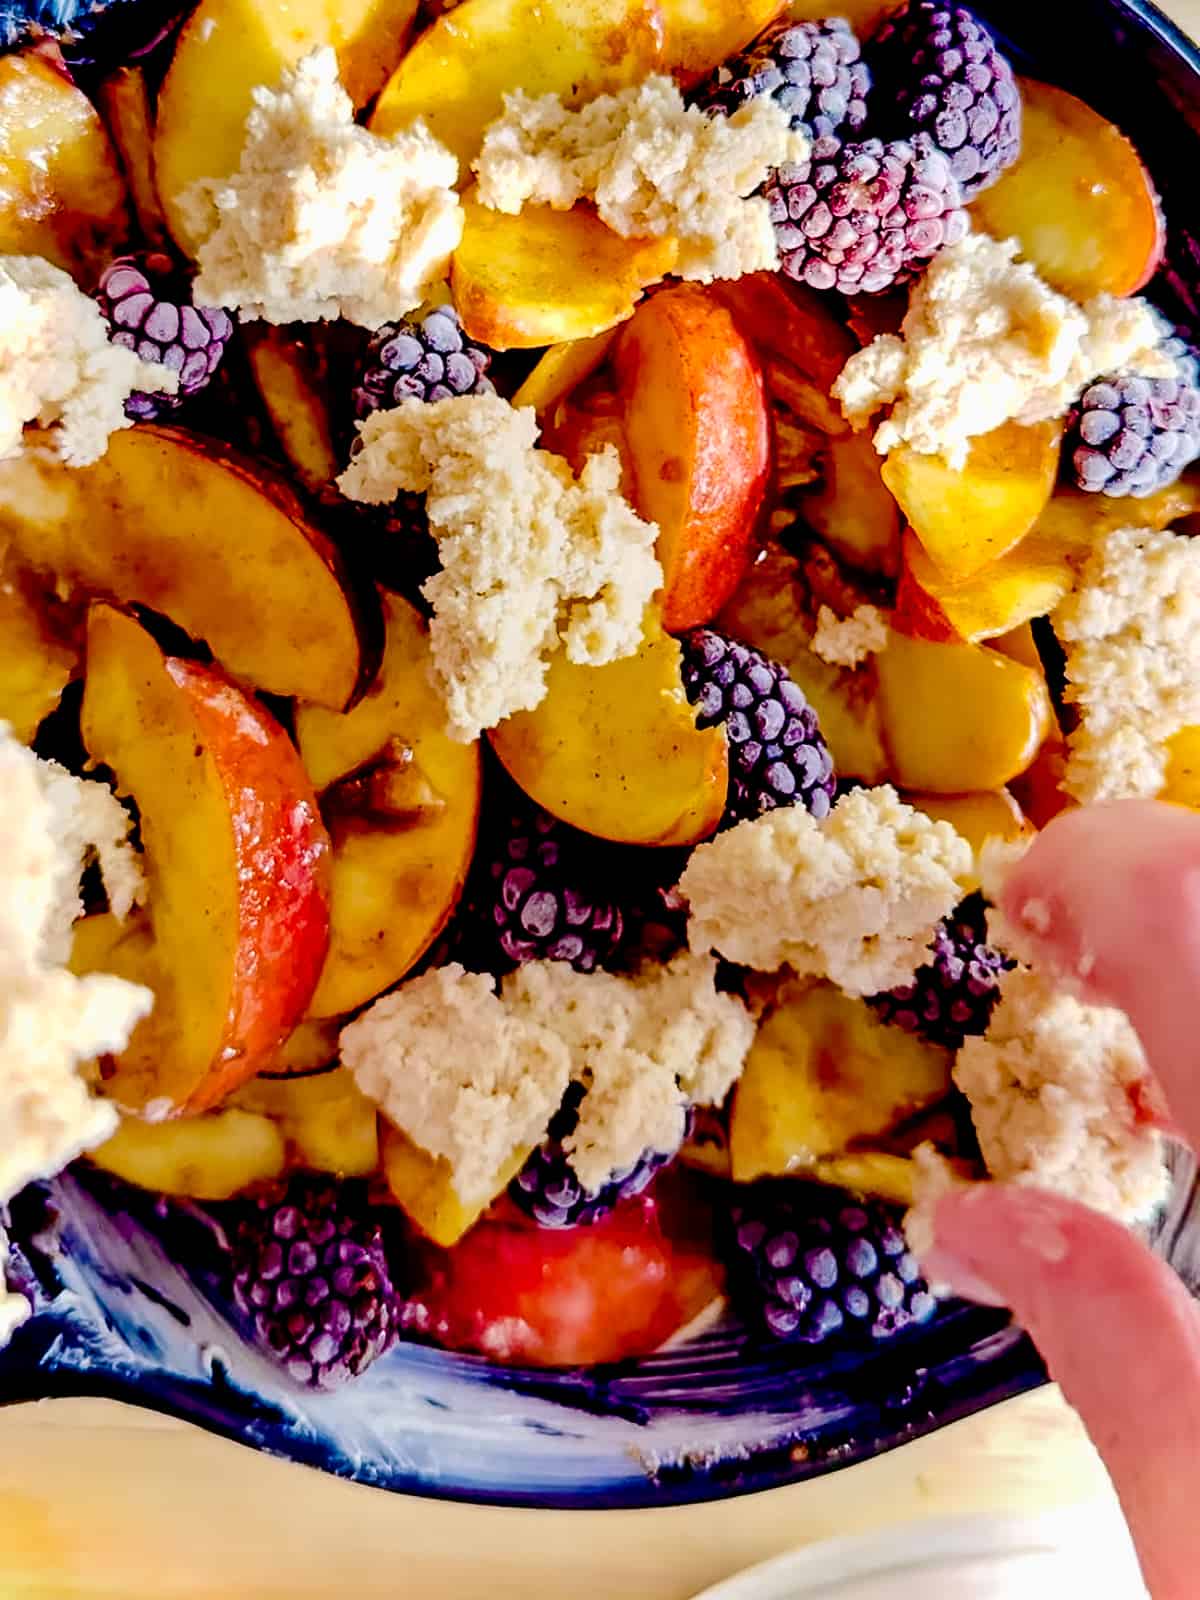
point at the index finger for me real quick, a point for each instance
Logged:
(1108, 898)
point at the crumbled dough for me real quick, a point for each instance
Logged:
(652, 165)
(50, 1020)
(986, 341)
(854, 898)
(57, 367)
(646, 1046)
(1131, 631)
(530, 555)
(324, 219)
(473, 1076)
(1052, 1085)
(464, 1076)
(848, 641)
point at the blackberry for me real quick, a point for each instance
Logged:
(429, 359)
(952, 995)
(549, 897)
(310, 1273)
(90, 31)
(547, 1189)
(863, 217)
(1134, 435)
(777, 756)
(148, 311)
(811, 1264)
(941, 82)
(813, 70)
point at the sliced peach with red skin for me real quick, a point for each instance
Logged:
(790, 322)
(967, 517)
(227, 48)
(191, 527)
(615, 750)
(457, 73)
(958, 717)
(62, 195)
(699, 439)
(237, 864)
(546, 276)
(395, 877)
(1078, 199)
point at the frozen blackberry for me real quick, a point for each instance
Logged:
(548, 1190)
(429, 359)
(309, 1272)
(941, 82)
(1133, 435)
(549, 897)
(89, 30)
(777, 756)
(148, 309)
(810, 1264)
(952, 995)
(813, 70)
(863, 217)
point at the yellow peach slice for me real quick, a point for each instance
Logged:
(457, 73)
(423, 1185)
(823, 1073)
(993, 814)
(1183, 769)
(701, 34)
(1073, 520)
(327, 1122)
(1038, 791)
(562, 369)
(37, 660)
(1078, 199)
(61, 191)
(1020, 644)
(547, 276)
(615, 750)
(768, 612)
(1027, 582)
(854, 508)
(969, 517)
(211, 1157)
(227, 48)
(871, 1172)
(292, 387)
(958, 717)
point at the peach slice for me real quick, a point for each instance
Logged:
(211, 1157)
(701, 34)
(1038, 791)
(329, 1125)
(1183, 769)
(424, 1186)
(1028, 582)
(615, 750)
(825, 1073)
(395, 879)
(1020, 644)
(190, 527)
(562, 369)
(1073, 520)
(227, 48)
(969, 517)
(864, 16)
(292, 388)
(790, 323)
(587, 421)
(37, 659)
(699, 439)
(61, 191)
(958, 717)
(545, 276)
(994, 814)
(1078, 199)
(457, 73)
(769, 612)
(237, 865)
(853, 508)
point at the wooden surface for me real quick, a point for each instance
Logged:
(102, 1500)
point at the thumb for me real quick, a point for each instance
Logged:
(1118, 1332)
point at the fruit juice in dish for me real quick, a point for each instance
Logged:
(573, 663)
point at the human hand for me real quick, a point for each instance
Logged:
(1118, 1330)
